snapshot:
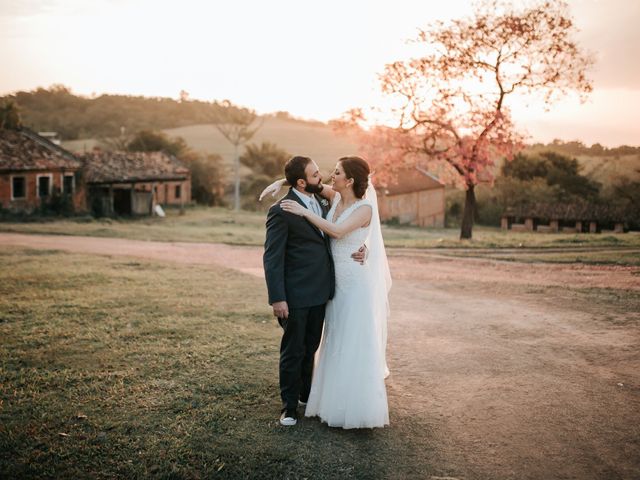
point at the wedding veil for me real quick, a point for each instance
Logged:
(381, 276)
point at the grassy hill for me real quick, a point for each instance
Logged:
(605, 169)
(312, 139)
(320, 142)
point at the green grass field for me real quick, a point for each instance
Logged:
(200, 224)
(135, 369)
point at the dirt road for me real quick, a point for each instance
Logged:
(506, 370)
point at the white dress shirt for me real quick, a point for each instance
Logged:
(311, 203)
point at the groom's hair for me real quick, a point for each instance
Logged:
(294, 169)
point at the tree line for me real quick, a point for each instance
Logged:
(74, 117)
(548, 178)
(57, 109)
(577, 148)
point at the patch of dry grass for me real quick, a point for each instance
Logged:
(134, 369)
(198, 224)
(599, 256)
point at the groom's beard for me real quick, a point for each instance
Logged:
(311, 188)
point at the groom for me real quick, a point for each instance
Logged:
(300, 280)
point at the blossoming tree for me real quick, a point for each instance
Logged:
(451, 101)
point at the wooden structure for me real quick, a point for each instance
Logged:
(567, 218)
(133, 183)
(417, 198)
(33, 170)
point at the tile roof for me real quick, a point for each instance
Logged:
(581, 211)
(123, 167)
(23, 150)
(411, 180)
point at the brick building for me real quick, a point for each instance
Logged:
(133, 183)
(417, 198)
(33, 170)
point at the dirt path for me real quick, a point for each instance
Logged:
(245, 259)
(496, 364)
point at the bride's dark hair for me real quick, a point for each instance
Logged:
(358, 169)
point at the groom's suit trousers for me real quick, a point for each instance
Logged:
(301, 338)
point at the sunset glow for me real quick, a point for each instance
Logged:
(313, 59)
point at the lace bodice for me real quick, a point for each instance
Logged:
(342, 248)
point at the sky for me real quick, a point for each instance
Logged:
(314, 59)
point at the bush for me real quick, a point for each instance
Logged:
(266, 162)
(208, 179)
(556, 171)
(58, 204)
(454, 200)
(513, 192)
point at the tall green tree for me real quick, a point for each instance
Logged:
(624, 194)
(10, 115)
(57, 108)
(266, 162)
(208, 178)
(266, 159)
(150, 141)
(556, 170)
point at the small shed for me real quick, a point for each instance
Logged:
(33, 170)
(569, 218)
(133, 183)
(415, 198)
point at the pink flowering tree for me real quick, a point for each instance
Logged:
(450, 103)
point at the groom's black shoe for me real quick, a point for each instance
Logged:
(288, 418)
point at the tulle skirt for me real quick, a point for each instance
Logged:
(348, 388)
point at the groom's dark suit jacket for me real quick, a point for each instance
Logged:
(297, 259)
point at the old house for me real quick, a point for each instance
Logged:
(569, 218)
(133, 183)
(417, 198)
(34, 170)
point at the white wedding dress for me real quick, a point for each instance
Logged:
(348, 388)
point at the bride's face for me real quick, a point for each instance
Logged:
(340, 180)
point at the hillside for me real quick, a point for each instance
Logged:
(75, 117)
(312, 139)
(606, 169)
(322, 144)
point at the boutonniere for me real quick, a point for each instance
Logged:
(324, 202)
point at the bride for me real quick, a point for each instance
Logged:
(348, 388)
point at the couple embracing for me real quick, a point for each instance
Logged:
(325, 265)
